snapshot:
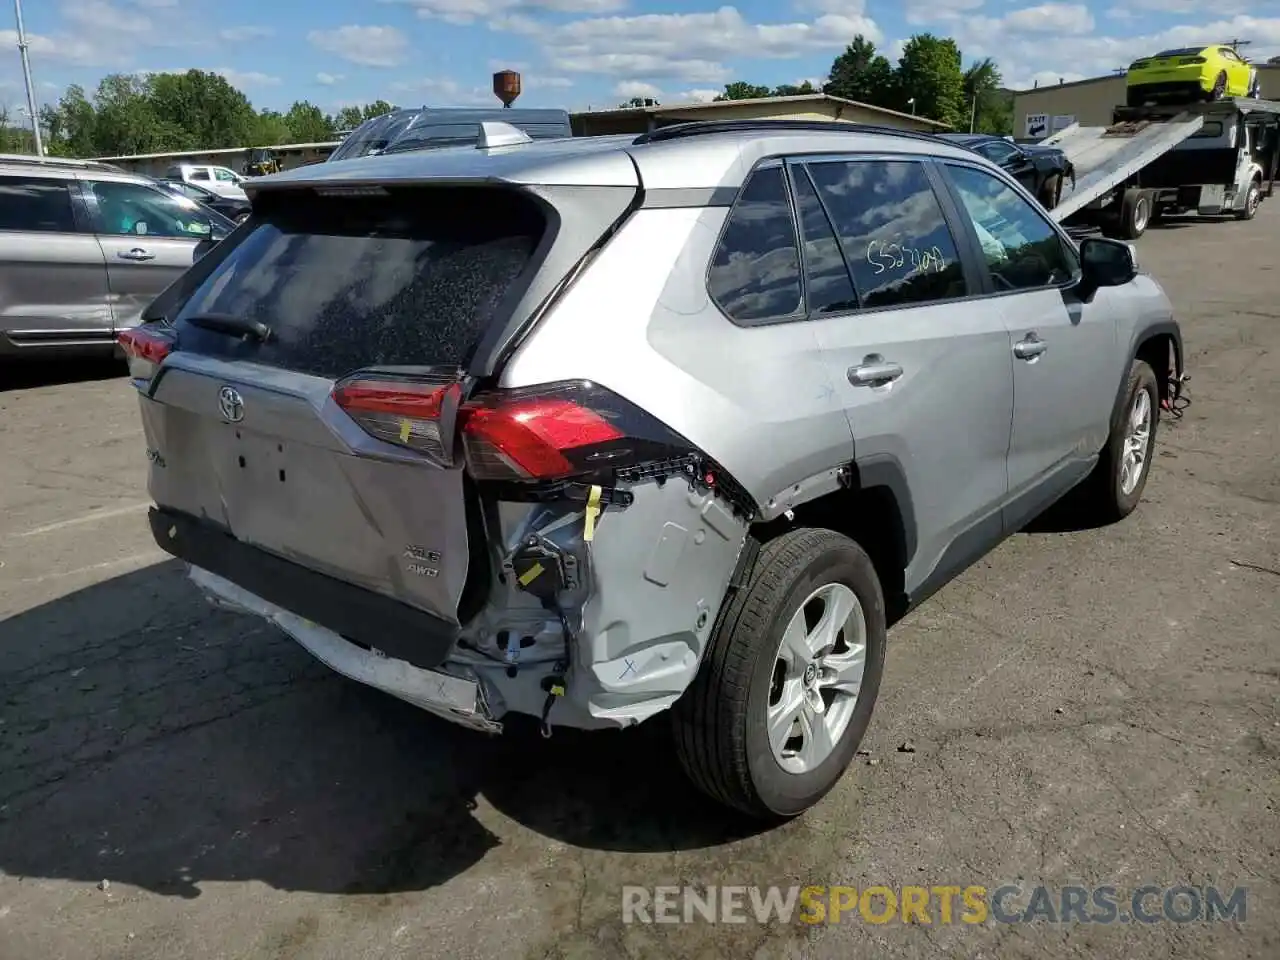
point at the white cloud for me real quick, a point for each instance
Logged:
(247, 78)
(696, 96)
(328, 79)
(636, 88)
(68, 49)
(687, 46)
(247, 32)
(487, 11)
(446, 91)
(98, 15)
(1057, 18)
(367, 46)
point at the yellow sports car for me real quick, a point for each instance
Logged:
(1189, 74)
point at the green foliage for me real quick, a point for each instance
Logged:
(990, 104)
(929, 72)
(862, 74)
(159, 112)
(741, 90)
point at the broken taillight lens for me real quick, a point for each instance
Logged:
(408, 411)
(535, 434)
(560, 430)
(145, 348)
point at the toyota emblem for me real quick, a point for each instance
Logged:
(231, 404)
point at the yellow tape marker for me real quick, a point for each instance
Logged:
(405, 428)
(557, 690)
(593, 511)
(530, 575)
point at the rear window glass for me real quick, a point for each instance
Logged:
(347, 282)
(39, 205)
(1180, 52)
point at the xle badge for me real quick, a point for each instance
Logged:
(423, 562)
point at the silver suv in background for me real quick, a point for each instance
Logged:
(596, 430)
(84, 247)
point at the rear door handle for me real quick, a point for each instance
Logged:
(137, 253)
(1029, 347)
(874, 373)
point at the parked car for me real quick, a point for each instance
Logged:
(1188, 74)
(84, 247)
(229, 207)
(221, 180)
(420, 128)
(582, 429)
(1042, 170)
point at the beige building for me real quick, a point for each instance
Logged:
(808, 106)
(1042, 110)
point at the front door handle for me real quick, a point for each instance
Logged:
(874, 371)
(137, 253)
(1029, 347)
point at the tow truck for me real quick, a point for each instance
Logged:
(1212, 158)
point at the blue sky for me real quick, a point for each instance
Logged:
(581, 53)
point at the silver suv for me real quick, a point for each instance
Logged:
(598, 429)
(84, 248)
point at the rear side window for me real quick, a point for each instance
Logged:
(43, 206)
(199, 174)
(414, 277)
(755, 271)
(892, 230)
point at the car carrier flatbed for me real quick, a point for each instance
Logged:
(1170, 158)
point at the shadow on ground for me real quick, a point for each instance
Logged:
(26, 375)
(150, 740)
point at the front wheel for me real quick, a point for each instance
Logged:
(1251, 201)
(1051, 191)
(1117, 482)
(789, 678)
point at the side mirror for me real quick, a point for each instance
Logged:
(1106, 263)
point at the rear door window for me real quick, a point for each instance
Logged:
(413, 277)
(29, 203)
(892, 229)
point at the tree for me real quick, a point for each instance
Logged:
(861, 74)
(206, 111)
(271, 128)
(793, 90)
(741, 90)
(990, 105)
(307, 123)
(376, 109)
(929, 73)
(72, 124)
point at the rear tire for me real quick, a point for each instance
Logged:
(1114, 488)
(1219, 89)
(1136, 207)
(723, 721)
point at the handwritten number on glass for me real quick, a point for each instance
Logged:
(894, 256)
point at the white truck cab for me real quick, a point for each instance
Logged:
(221, 180)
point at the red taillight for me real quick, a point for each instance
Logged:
(145, 349)
(404, 411)
(528, 437)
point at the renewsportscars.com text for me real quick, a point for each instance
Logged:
(941, 905)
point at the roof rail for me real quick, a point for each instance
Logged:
(697, 128)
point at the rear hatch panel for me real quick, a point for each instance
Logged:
(250, 450)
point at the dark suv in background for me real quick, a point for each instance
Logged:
(84, 247)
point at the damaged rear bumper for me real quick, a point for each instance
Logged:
(452, 697)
